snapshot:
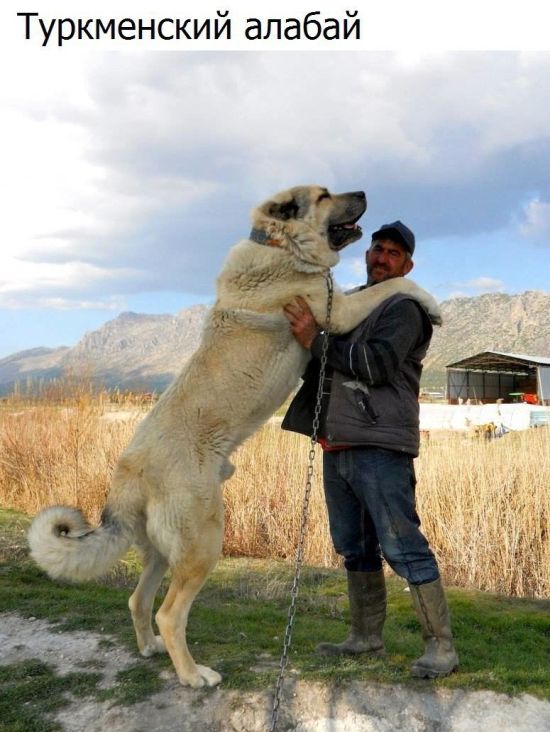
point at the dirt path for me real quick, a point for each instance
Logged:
(306, 707)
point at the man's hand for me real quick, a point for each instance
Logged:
(302, 323)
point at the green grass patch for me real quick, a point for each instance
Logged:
(134, 684)
(238, 622)
(31, 691)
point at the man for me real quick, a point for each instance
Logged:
(369, 432)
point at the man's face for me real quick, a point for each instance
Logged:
(386, 259)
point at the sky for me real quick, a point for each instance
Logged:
(127, 175)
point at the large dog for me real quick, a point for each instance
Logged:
(166, 496)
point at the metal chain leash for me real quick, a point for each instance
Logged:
(305, 512)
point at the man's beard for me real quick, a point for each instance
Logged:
(371, 280)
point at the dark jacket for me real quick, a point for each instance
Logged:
(370, 393)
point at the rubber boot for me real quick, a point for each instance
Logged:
(440, 657)
(367, 607)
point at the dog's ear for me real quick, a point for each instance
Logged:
(282, 211)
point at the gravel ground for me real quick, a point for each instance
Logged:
(306, 707)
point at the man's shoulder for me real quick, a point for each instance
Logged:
(406, 310)
(405, 303)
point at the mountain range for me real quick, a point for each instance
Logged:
(145, 352)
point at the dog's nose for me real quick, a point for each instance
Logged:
(361, 198)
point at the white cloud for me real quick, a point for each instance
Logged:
(358, 266)
(27, 282)
(350, 273)
(536, 221)
(486, 284)
(20, 302)
(114, 163)
(477, 286)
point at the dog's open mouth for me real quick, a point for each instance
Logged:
(340, 235)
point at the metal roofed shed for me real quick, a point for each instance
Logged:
(490, 375)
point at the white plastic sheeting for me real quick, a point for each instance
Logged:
(465, 416)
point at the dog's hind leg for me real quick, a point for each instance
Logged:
(187, 579)
(141, 602)
(172, 622)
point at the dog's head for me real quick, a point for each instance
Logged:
(312, 223)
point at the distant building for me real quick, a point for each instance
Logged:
(509, 377)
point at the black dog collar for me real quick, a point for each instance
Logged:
(260, 237)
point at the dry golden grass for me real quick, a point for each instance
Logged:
(485, 506)
(486, 509)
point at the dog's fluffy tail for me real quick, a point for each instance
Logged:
(64, 544)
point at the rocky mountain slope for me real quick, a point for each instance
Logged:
(133, 351)
(146, 351)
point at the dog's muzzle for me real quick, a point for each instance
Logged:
(343, 228)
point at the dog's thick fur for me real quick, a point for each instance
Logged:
(166, 496)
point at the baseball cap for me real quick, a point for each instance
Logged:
(396, 232)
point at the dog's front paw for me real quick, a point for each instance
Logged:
(211, 677)
(204, 676)
(424, 298)
(434, 311)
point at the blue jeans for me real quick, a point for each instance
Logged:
(370, 495)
